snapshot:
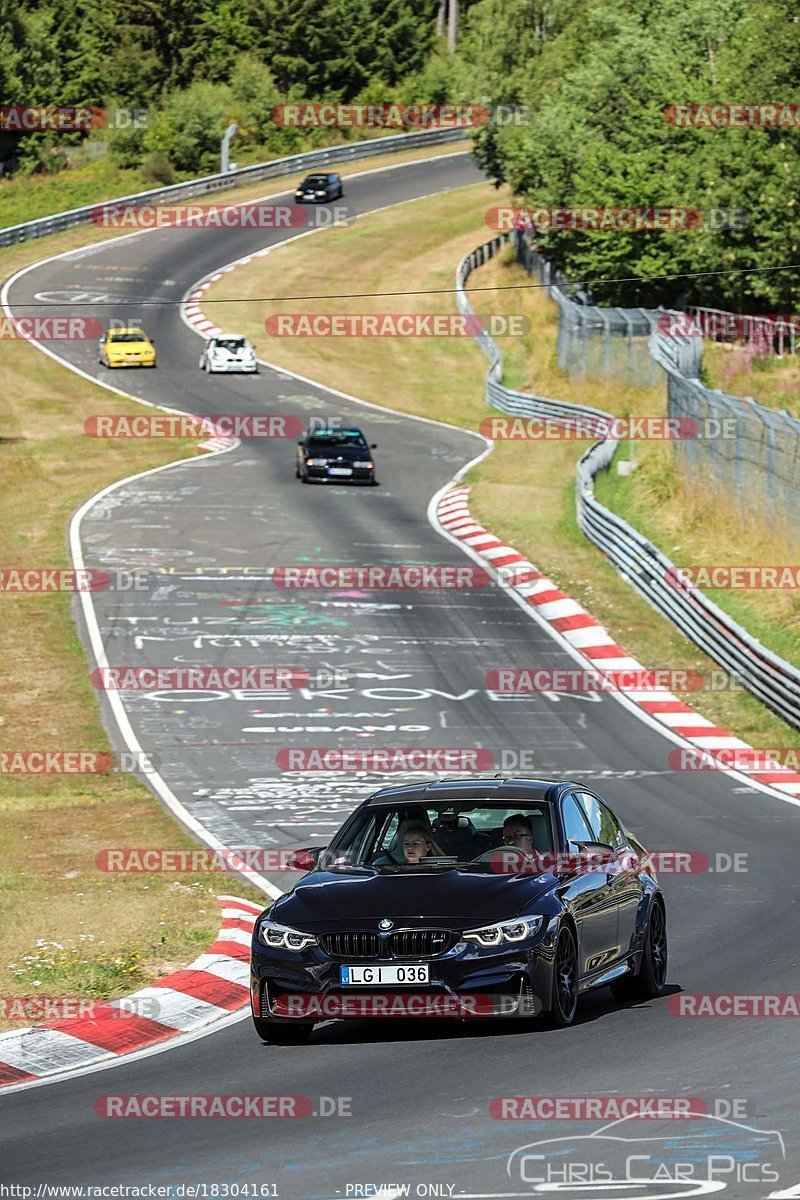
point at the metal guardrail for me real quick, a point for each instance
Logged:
(210, 183)
(769, 677)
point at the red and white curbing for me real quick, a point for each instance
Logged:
(573, 623)
(191, 304)
(213, 986)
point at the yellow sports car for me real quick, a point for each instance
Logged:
(128, 347)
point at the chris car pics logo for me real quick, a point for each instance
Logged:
(654, 1160)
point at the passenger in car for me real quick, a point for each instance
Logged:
(417, 843)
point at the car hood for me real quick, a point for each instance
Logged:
(128, 347)
(326, 900)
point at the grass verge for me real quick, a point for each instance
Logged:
(524, 491)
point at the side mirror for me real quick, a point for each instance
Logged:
(305, 859)
(373, 445)
(594, 856)
(301, 444)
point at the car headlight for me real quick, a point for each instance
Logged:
(319, 193)
(368, 463)
(517, 930)
(316, 462)
(299, 192)
(281, 937)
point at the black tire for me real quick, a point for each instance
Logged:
(648, 982)
(564, 997)
(283, 1033)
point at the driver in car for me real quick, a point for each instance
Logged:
(518, 831)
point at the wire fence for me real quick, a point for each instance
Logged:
(608, 342)
(748, 452)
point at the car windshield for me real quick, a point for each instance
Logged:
(128, 335)
(315, 181)
(335, 439)
(441, 835)
(232, 344)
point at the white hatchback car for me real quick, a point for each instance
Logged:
(229, 352)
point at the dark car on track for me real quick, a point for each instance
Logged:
(341, 455)
(319, 189)
(527, 893)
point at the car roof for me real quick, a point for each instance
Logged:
(496, 788)
(126, 329)
(226, 337)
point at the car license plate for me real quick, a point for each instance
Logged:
(410, 973)
(340, 470)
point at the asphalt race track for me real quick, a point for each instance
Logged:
(414, 667)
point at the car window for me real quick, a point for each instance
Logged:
(466, 835)
(327, 441)
(385, 841)
(128, 335)
(575, 826)
(602, 822)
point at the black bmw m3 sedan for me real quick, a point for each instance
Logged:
(480, 898)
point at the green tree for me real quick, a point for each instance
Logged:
(189, 127)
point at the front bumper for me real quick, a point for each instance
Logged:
(233, 368)
(131, 362)
(466, 970)
(358, 475)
